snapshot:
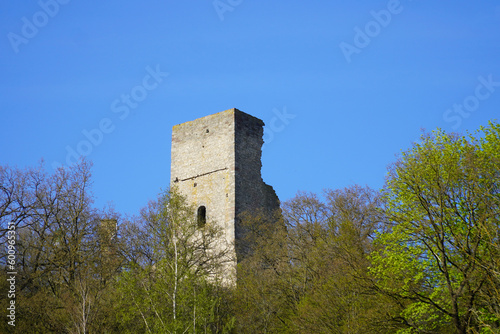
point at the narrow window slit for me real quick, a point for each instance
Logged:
(202, 216)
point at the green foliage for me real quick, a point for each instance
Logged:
(422, 256)
(311, 277)
(439, 254)
(62, 273)
(180, 290)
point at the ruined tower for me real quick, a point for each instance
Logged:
(216, 163)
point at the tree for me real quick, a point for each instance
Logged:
(339, 298)
(181, 289)
(308, 271)
(262, 299)
(61, 271)
(439, 256)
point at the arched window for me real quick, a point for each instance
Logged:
(202, 216)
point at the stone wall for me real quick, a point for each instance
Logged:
(216, 163)
(203, 166)
(252, 194)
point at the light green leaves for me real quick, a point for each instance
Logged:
(436, 256)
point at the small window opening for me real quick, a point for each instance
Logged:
(202, 216)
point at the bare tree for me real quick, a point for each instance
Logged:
(59, 260)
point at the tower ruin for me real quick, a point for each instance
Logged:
(216, 164)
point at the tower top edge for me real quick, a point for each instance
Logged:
(233, 112)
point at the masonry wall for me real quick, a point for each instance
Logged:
(252, 194)
(216, 163)
(203, 166)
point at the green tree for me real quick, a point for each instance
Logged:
(180, 287)
(439, 255)
(262, 299)
(62, 274)
(340, 298)
(308, 270)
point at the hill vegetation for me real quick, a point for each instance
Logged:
(421, 255)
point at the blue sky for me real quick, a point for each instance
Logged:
(342, 86)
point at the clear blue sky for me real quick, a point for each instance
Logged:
(352, 81)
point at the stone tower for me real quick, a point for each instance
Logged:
(216, 163)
